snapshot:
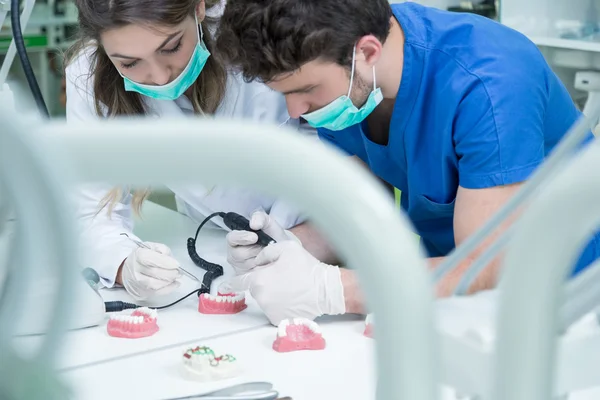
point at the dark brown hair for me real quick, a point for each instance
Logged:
(97, 16)
(268, 38)
(110, 97)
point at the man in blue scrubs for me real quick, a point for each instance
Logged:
(455, 110)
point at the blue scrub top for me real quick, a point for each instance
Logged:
(478, 106)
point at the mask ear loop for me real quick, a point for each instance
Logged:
(285, 122)
(199, 33)
(352, 73)
(374, 79)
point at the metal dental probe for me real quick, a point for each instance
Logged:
(140, 244)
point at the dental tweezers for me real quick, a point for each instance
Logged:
(244, 391)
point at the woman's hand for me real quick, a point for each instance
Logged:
(149, 272)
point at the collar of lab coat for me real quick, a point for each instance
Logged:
(169, 108)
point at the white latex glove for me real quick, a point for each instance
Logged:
(241, 245)
(150, 272)
(289, 282)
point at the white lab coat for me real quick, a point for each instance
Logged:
(104, 248)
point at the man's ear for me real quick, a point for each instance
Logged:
(368, 49)
(201, 11)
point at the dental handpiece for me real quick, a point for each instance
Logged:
(237, 222)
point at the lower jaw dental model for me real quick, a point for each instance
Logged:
(369, 326)
(298, 334)
(141, 323)
(222, 303)
(201, 364)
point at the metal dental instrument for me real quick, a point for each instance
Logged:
(140, 244)
(244, 391)
(145, 246)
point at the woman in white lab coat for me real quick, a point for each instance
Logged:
(153, 57)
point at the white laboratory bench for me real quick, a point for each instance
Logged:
(97, 366)
(343, 370)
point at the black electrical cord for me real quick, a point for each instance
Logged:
(20, 45)
(116, 306)
(213, 271)
(232, 221)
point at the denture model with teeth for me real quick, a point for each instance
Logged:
(369, 326)
(298, 334)
(222, 303)
(203, 365)
(141, 323)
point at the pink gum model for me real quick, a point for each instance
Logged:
(141, 323)
(298, 334)
(222, 303)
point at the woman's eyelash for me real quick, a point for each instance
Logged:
(130, 65)
(174, 49)
(168, 51)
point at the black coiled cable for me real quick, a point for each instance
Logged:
(213, 271)
(20, 45)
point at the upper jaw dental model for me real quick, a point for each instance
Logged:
(202, 364)
(141, 323)
(225, 302)
(298, 334)
(369, 322)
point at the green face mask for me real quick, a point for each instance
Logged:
(342, 113)
(179, 85)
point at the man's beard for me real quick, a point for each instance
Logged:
(360, 91)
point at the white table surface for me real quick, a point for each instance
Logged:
(343, 370)
(179, 324)
(97, 366)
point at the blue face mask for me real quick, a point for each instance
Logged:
(179, 85)
(342, 113)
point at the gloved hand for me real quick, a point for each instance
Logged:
(241, 245)
(289, 282)
(150, 272)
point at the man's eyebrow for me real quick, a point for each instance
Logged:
(167, 40)
(302, 89)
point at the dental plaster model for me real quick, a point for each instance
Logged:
(225, 302)
(369, 326)
(141, 323)
(298, 334)
(201, 364)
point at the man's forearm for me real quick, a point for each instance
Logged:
(354, 297)
(315, 243)
(487, 279)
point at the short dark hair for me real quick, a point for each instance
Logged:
(268, 38)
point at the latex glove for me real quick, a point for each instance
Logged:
(150, 272)
(289, 282)
(241, 245)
